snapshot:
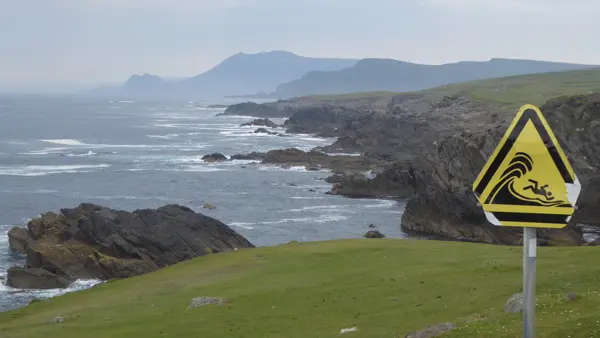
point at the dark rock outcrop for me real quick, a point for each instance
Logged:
(395, 182)
(91, 241)
(265, 131)
(17, 239)
(317, 159)
(214, 157)
(251, 156)
(374, 234)
(431, 150)
(271, 109)
(35, 278)
(313, 159)
(446, 206)
(325, 120)
(260, 122)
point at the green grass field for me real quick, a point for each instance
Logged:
(511, 91)
(384, 287)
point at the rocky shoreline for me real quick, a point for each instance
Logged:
(95, 242)
(426, 153)
(430, 151)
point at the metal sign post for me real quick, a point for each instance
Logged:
(529, 260)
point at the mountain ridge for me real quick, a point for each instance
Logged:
(370, 75)
(281, 74)
(238, 74)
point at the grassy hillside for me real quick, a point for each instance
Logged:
(394, 75)
(384, 287)
(511, 91)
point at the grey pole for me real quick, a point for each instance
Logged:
(529, 258)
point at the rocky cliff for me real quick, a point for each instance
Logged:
(430, 152)
(92, 241)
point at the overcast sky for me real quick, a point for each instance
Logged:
(83, 42)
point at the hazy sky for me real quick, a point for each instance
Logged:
(81, 42)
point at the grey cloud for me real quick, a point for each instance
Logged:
(51, 42)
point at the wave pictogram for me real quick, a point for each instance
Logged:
(505, 191)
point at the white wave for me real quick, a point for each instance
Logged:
(307, 197)
(4, 236)
(317, 139)
(344, 154)
(317, 219)
(135, 169)
(78, 285)
(243, 225)
(42, 170)
(320, 207)
(89, 153)
(197, 168)
(65, 142)
(245, 134)
(278, 168)
(79, 144)
(381, 204)
(186, 125)
(43, 191)
(208, 108)
(164, 137)
(243, 162)
(234, 117)
(119, 197)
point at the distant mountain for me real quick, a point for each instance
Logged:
(238, 75)
(251, 73)
(142, 84)
(392, 75)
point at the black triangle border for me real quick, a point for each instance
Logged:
(528, 115)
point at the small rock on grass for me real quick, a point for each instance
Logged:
(432, 331)
(571, 296)
(57, 319)
(349, 329)
(201, 301)
(514, 304)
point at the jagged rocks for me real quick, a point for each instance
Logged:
(325, 120)
(94, 242)
(312, 160)
(251, 156)
(214, 157)
(271, 109)
(395, 182)
(445, 205)
(260, 122)
(265, 131)
(17, 239)
(34, 279)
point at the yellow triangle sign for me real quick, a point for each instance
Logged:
(528, 181)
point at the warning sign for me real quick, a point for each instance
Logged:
(528, 181)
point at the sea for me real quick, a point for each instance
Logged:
(57, 152)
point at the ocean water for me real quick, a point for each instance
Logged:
(59, 152)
